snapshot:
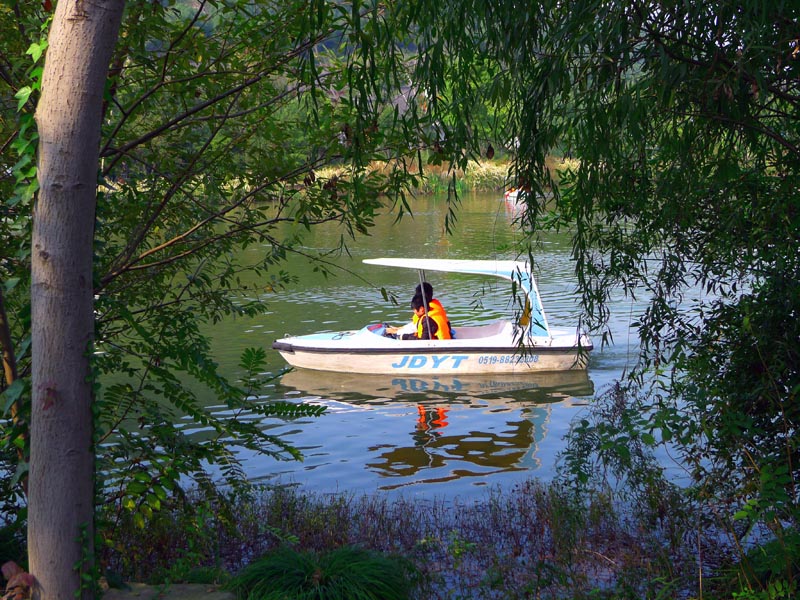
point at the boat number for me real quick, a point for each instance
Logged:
(417, 361)
(502, 359)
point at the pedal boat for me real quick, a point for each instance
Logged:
(524, 344)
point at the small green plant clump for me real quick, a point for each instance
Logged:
(346, 573)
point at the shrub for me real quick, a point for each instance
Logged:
(343, 573)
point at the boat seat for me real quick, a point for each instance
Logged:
(473, 332)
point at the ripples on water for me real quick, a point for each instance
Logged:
(444, 437)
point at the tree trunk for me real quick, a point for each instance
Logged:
(61, 478)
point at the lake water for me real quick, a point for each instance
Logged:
(445, 438)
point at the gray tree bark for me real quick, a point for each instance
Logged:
(61, 477)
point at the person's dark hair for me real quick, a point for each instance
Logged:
(427, 288)
(417, 302)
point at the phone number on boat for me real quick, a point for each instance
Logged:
(501, 359)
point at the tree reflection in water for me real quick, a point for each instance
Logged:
(463, 453)
(412, 433)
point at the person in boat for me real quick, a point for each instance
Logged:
(436, 310)
(427, 325)
(426, 291)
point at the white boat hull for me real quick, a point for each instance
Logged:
(363, 351)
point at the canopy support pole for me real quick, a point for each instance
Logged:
(425, 302)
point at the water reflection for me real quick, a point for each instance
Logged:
(544, 387)
(438, 453)
(409, 433)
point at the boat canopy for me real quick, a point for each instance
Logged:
(516, 271)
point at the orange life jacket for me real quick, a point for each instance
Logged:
(437, 313)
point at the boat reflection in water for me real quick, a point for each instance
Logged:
(476, 428)
(549, 386)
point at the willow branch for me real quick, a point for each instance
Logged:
(197, 108)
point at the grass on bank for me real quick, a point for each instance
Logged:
(484, 176)
(534, 541)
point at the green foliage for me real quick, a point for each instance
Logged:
(181, 542)
(86, 566)
(144, 467)
(681, 122)
(777, 590)
(217, 117)
(345, 572)
(12, 543)
(774, 566)
(12, 470)
(21, 49)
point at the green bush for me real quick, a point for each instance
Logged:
(770, 571)
(345, 573)
(12, 547)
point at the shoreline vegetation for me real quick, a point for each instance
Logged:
(535, 540)
(487, 175)
(639, 537)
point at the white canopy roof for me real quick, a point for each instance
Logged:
(515, 271)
